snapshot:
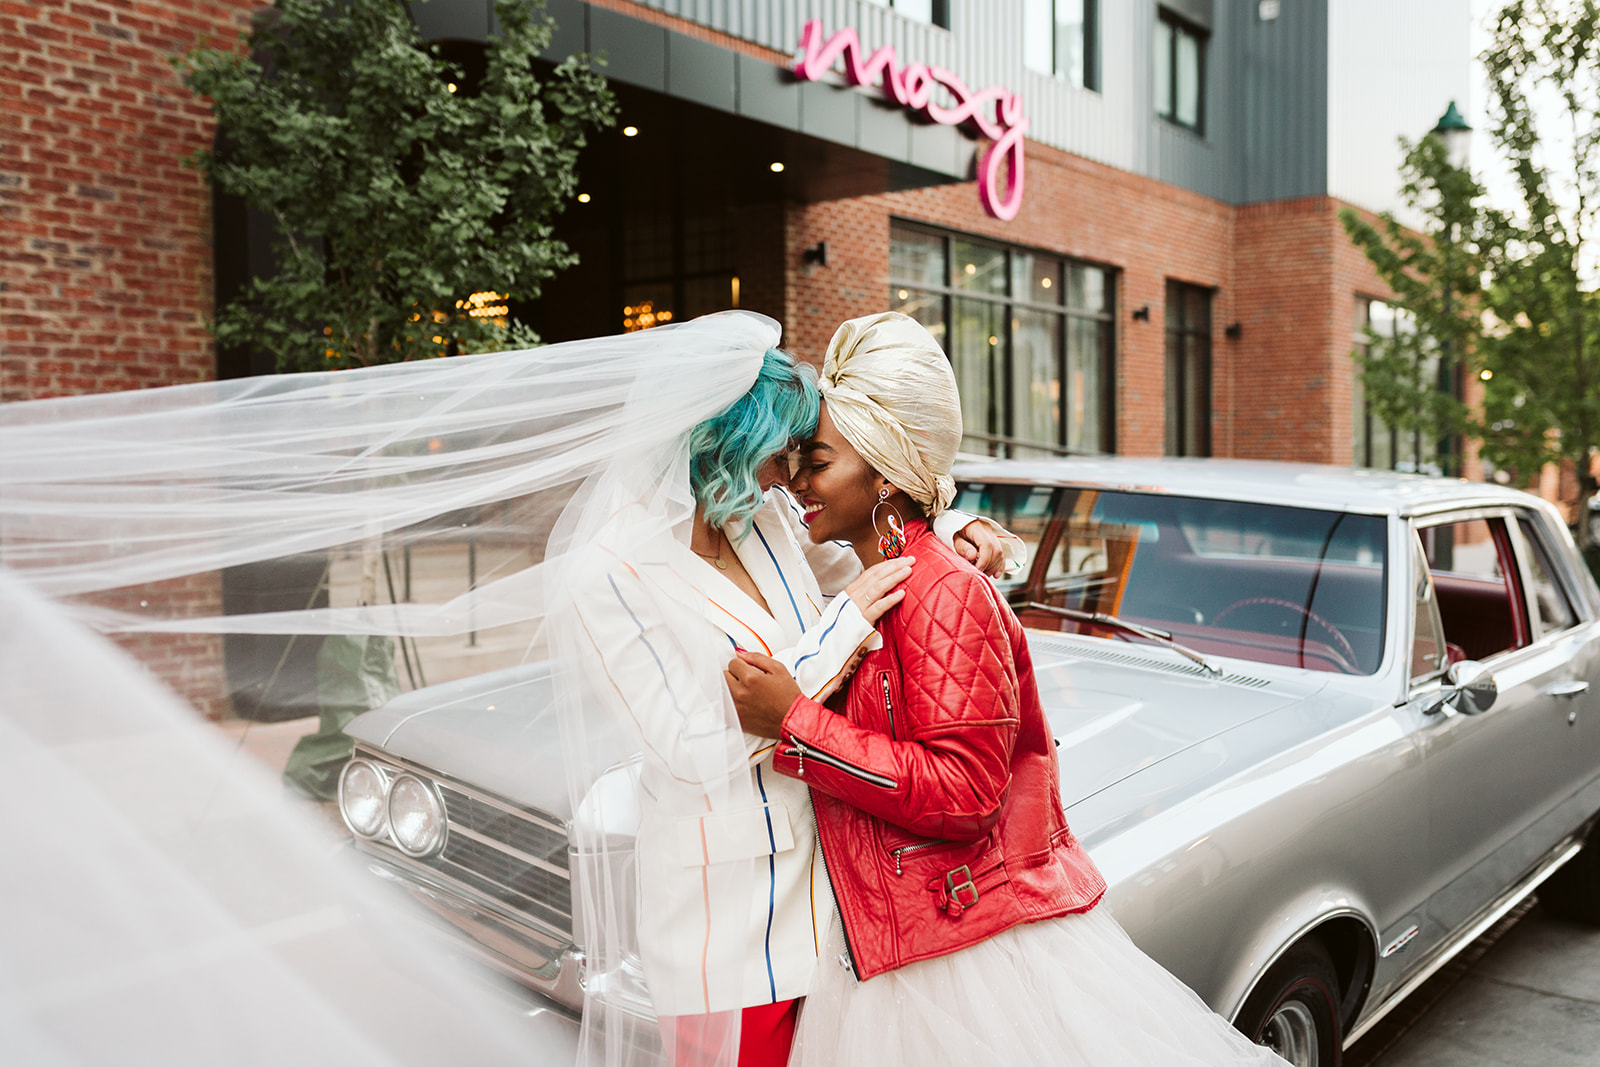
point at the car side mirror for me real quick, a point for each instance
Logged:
(1469, 689)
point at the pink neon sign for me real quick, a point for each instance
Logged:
(912, 86)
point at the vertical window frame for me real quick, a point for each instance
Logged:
(1178, 385)
(1167, 110)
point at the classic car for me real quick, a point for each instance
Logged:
(1320, 729)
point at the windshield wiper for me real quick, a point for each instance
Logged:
(1160, 637)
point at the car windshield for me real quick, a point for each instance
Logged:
(1294, 586)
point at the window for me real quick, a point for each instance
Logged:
(1061, 37)
(1188, 370)
(1549, 599)
(1029, 337)
(1374, 442)
(1427, 632)
(1472, 568)
(933, 12)
(1180, 71)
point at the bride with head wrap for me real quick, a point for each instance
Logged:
(967, 928)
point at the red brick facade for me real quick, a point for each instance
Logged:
(106, 243)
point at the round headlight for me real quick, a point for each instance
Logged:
(361, 795)
(416, 816)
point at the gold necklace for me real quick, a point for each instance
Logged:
(716, 557)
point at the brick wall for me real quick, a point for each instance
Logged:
(106, 242)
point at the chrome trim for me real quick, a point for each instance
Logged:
(501, 846)
(1400, 942)
(371, 755)
(1470, 933)
(431, 790)
(383, 805)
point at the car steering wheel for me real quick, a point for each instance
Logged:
(1347, 654)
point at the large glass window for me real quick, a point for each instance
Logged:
(1188, 370)
(1061, 37)
(1179, 63)
(934, 12)
(1029, 336)
(1375, 443)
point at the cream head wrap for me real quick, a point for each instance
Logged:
(892, 394)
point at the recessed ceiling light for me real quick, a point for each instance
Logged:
(451, 86)
(583, 198)
(777, 168)
(1045, 282)
(630, 131)
(904, 294)
(972, 268)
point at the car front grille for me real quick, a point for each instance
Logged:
(497, 850)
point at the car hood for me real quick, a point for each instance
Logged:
(497, 731)
(1117, 709)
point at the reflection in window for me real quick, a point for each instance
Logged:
(1061, 37)
(1028, 335)
(1179, 64)
(1427, 632)
(1549, 599)
(1299, 587)
(1471, 561)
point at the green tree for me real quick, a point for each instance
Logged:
(397, 189)
(1507, 291)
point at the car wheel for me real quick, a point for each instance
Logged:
(1573, 892)
(1294, 1009)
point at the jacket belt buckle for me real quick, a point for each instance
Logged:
(953, 888)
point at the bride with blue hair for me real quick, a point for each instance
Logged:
(665, 454)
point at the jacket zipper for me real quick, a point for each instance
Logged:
(800, 751)
(844, 931)
(918, 847)
(888, 705)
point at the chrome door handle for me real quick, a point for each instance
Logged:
(1567, 689)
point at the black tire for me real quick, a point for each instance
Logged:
(1573, 892)
(1294, 1009)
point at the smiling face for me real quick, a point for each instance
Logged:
(836, 487)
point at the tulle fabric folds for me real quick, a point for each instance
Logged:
(1068, 992)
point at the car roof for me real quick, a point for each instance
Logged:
(1309, 485)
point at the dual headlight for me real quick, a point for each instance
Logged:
(375, 803)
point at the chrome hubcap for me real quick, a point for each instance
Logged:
(1292, 1034)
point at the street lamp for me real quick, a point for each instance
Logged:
(1456, 135)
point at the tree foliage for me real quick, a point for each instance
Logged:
(397, 189)
(1523, 309)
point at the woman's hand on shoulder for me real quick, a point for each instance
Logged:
(763, 689)
(874, 593)
(978, 545)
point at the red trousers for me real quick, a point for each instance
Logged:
(765, 1034)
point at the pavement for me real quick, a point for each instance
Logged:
(1527, 992)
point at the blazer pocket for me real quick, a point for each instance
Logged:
(745, 833)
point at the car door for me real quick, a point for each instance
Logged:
(1567, 629)
(1492, 777)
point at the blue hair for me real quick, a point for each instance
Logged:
(726, 451)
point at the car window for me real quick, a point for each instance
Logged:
(1025, 510)
(1299, 587)
(1427, 632)
(1472, 565)
(1550, 600)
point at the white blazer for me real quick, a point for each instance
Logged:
(644, 649)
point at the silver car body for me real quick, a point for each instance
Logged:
(1232, 813)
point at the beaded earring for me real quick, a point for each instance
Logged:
(893, 543)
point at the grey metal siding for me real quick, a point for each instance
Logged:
(1266, 89)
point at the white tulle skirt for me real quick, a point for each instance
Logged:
(1070, 991)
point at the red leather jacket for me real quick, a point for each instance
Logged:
(937, 790)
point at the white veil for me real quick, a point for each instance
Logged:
(425, 497)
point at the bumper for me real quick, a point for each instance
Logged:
(537, 959)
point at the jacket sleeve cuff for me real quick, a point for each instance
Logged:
(827, 649)
(798, 722)
(951, 522)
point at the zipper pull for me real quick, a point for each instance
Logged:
(799, 760)
(898, 872)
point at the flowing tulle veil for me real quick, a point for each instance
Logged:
(128, 513)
